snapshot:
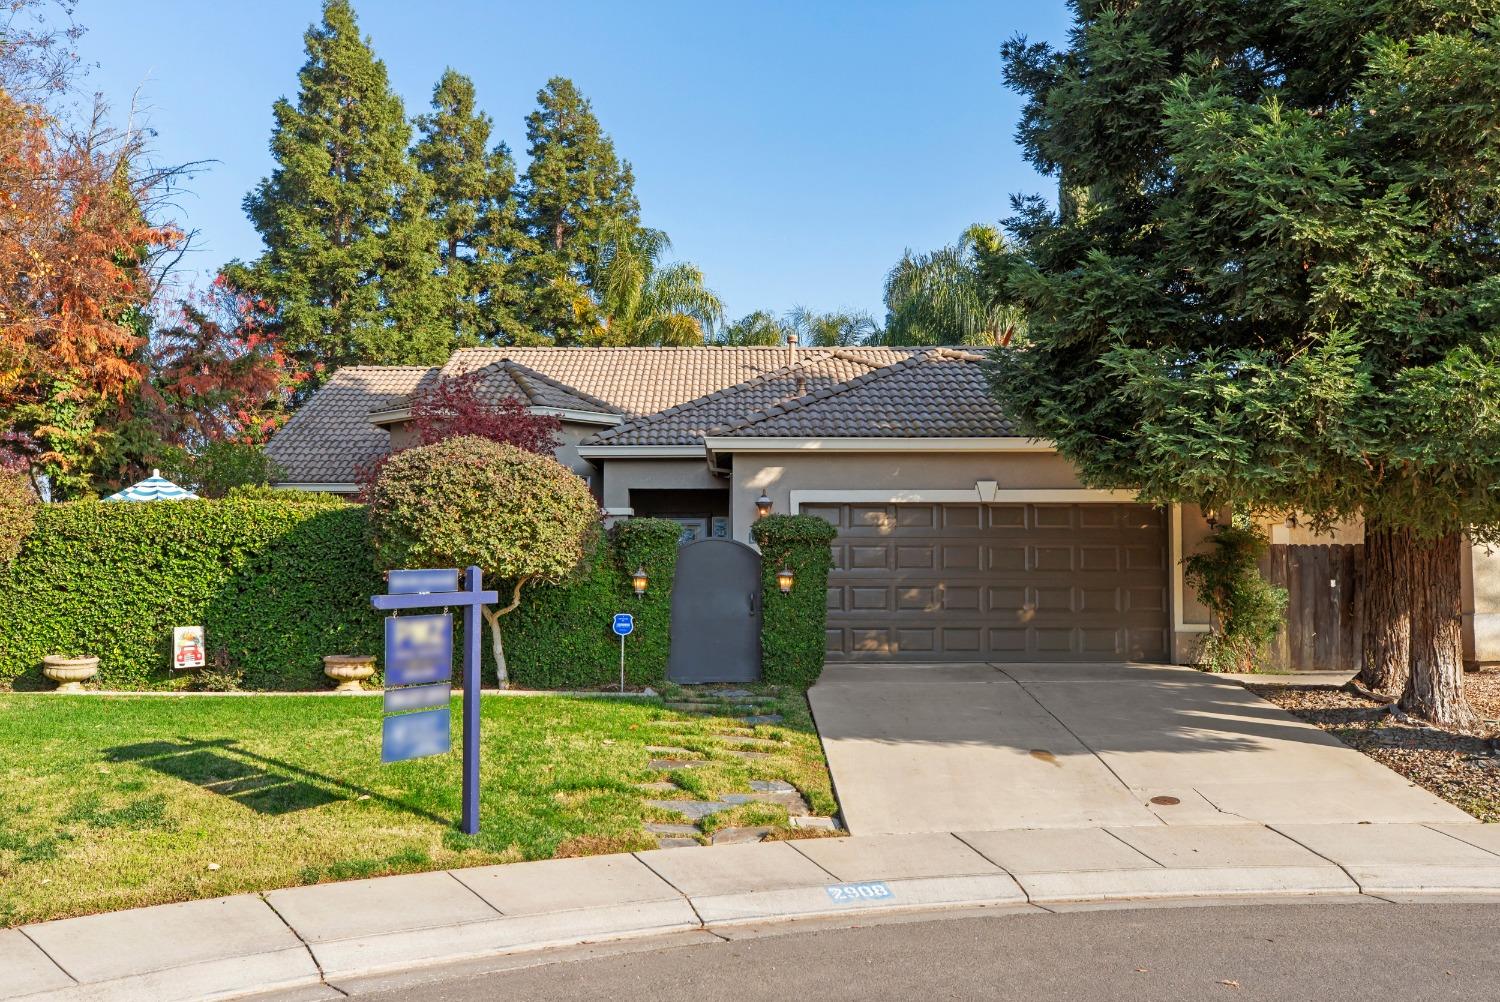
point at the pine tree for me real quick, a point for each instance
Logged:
(576, 191)
(1274, 280)
(349, 270)
(473, 206)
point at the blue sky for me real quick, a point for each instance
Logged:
(792, 150)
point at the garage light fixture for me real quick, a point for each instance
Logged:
(638, 581)
(763, 505)
(785, 579)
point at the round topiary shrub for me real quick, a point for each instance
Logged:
(518, 516)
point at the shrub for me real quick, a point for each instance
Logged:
(793, 626)
(17, 511)
(275, 586)
(221, 467)
(1247, 609)
(561, 638)
(522, 518)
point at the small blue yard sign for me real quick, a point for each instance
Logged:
(624, 624)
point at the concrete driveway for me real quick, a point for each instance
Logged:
(969, 747)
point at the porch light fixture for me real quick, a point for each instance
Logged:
(638, 581)
(763, 506)
(785, 579)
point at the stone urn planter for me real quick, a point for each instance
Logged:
(69, 673)
(349, 670)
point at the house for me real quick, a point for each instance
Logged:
(959, 539)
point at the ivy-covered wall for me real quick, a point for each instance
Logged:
(276, 584)
(793, 625)
(279, 581)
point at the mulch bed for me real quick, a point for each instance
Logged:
(1463, 769)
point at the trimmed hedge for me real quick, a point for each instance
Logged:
(560, 636)
(279, 579)
(275, 585)
(793, 626)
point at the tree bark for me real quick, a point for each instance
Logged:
(497, 644)
(1387, 610)
(1435, 686)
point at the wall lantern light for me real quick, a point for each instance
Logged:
(763, 506)
(638, 581)
(785, 579)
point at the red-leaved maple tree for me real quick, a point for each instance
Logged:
(453, 406)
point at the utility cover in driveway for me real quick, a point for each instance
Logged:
(1008, 582)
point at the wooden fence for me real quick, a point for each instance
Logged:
(1325, 607)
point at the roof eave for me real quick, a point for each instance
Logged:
(990, 443)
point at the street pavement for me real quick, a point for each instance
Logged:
(972, 747)
(1329, 953)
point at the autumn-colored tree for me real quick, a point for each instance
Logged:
(218, 373)
(77, 252)
(455, 407)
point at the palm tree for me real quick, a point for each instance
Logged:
(758, 328)
(840, 329)
(938, 298)
(647, 303)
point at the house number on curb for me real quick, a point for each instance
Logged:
(418, 665)
(870, 890)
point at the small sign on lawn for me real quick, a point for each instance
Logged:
(187, 648)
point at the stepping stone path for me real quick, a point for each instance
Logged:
(740, 753)
(766, 718)
(661, 828)
(657, 787)
(745, 739)
(677, 842)
(694, 809)
(809, 821)
(771, 786)
(676, 763)
(735, 836)
(793, 802)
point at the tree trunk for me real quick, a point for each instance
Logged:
(1387, 603)
(1435, 687)
(497, 644)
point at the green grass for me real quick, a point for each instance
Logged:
(113, 802)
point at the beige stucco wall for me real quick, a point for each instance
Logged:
(623, 475)
(403, 435)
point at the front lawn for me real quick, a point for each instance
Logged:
(112, 802)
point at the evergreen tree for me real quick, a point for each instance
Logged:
(349, 270)
(576, 191)
(472, 204)
(1274, 279)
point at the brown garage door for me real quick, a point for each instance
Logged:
(1018, 582)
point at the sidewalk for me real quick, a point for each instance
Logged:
(329, 934)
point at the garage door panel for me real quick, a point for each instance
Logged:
(1002, 582)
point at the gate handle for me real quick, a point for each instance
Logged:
(751, 597)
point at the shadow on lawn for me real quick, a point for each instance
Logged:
(263, 784)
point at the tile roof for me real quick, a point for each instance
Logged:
(641, 381)
(331, 434)
(509, 378)
(934, 393)
(687, 423)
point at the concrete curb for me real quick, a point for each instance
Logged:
(309, 938)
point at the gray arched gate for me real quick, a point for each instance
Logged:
(715, 613)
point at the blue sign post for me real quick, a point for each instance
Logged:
(419, 661)
(624, 626)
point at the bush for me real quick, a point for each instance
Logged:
(17, 511)
(1247, 609)
(275, 586)
(222, 467)
(793, 626)
(560, 637)
(522, 518)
